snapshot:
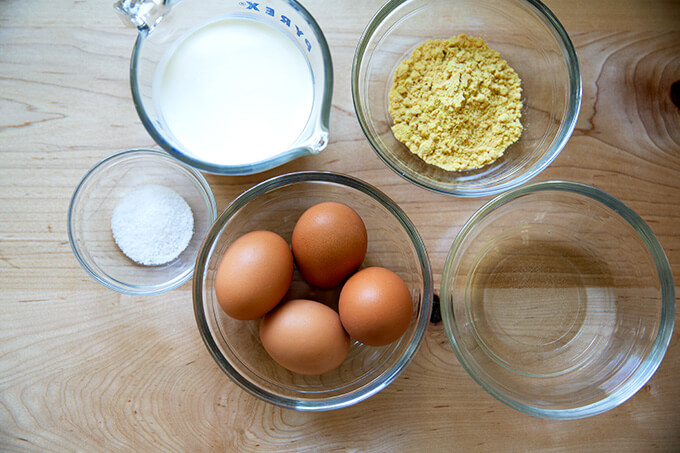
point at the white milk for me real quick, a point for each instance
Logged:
(235, 91)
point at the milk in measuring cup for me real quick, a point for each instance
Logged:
(235, 91)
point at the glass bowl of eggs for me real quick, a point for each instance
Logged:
(312, 291)
(466, 97)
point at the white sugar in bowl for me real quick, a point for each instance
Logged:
(147, 255)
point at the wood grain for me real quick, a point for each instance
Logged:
(86, 369)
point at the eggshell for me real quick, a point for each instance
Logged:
(254, 274)
(375, 306)
(329, 242)
(305, 337)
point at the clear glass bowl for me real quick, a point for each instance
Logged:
(275, 205)
(558, 300)
(92, 204)
(527, 35)
(162, 24)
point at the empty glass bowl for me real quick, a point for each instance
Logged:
(276, 205)
(527, 35)
(91, 208)
(558, 300)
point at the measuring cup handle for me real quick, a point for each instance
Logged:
(143, 14)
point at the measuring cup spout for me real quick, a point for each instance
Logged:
(319, 142)
(143, 14)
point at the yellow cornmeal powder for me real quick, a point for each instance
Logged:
(456, 103)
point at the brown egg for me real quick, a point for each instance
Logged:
(254, 274)
(305, 337)
(375, 306)
(329, 242)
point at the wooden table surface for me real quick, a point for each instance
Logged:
(83, 368)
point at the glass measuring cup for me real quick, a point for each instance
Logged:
(163, 23)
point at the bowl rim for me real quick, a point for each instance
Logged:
(363, 392)
(667, 319)
(253, 167)
(95, 273)
(564, 134)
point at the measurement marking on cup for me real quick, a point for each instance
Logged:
(285, 20)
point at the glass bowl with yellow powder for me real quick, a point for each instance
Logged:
(466, 97)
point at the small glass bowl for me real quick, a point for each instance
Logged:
(527, 35)
(92, 204)
(276, 205)
(558, 300)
